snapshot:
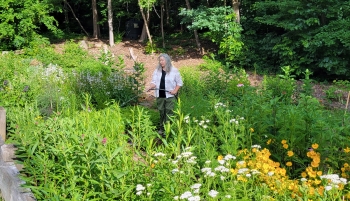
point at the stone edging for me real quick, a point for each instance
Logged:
(10, 184)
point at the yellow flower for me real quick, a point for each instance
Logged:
(321, 190)
(220, 157)
(311, 154)
(284, 141)
(290, 153)
(317, 181)
(283, 171)
(314, 164)
(269, 141)
(316, 160)
(311, 174)
(285, 146)
(153, 165)
(346, 165)
(303, 174)
(319, 173)
(289, 164)
(251, 130)
(314, 146)
(347, 150)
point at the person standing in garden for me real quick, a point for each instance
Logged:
(166, 81)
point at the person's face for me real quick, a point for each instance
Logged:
(162, 62)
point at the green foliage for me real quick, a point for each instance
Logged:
(227, 33)
(210, 63)
(15, 87)
(281, 88)
(299, 34)
(338, 90)
(118, 37)
(150, 48)
(77, 143)
(79, 147)
(20, 22)
(103, 87)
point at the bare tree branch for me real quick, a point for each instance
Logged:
(81, 26)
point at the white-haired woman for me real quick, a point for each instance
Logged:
(166, 81)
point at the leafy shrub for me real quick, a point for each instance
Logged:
(279, 88)
(103, 87)
(337, 90)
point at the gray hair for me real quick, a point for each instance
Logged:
(168, 64)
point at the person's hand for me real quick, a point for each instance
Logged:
(151, 87)
(173, 92)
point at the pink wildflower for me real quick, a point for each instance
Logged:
(240, 85)
(104, 141)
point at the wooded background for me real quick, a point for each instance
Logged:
(262, 35)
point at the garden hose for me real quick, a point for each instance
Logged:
(176, 95)
(122, 105)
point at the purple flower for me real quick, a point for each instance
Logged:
(240, 85)
(6, 82)
(26, 88)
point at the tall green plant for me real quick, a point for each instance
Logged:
(20, 22)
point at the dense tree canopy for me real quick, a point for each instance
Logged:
(302, 34)
(270, 35)
(22, 20)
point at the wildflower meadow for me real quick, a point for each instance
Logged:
(81, 135)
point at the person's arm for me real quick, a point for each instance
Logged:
(173, 92)
(153, 82)
(178, 81)
(152, 86)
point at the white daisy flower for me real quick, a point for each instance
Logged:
(213, 193)
(186, 195)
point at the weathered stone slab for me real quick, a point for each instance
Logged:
(3, 123)
(10, 184)
(8, 152)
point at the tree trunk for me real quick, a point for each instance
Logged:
(95, 20)
(195, 31)
(235, 5)
(145, 29)
(66, 18)
(162, 22)
(110, 23)
(167, 6)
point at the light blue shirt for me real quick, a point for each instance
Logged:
(172, 79)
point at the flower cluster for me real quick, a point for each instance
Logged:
(218, 105)
(202, 123)
(344, 170)
(315, 156)
(187, 119)
(53, 71)
(185, 157)
(139, 189)
(237, 120)
(250, 167)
